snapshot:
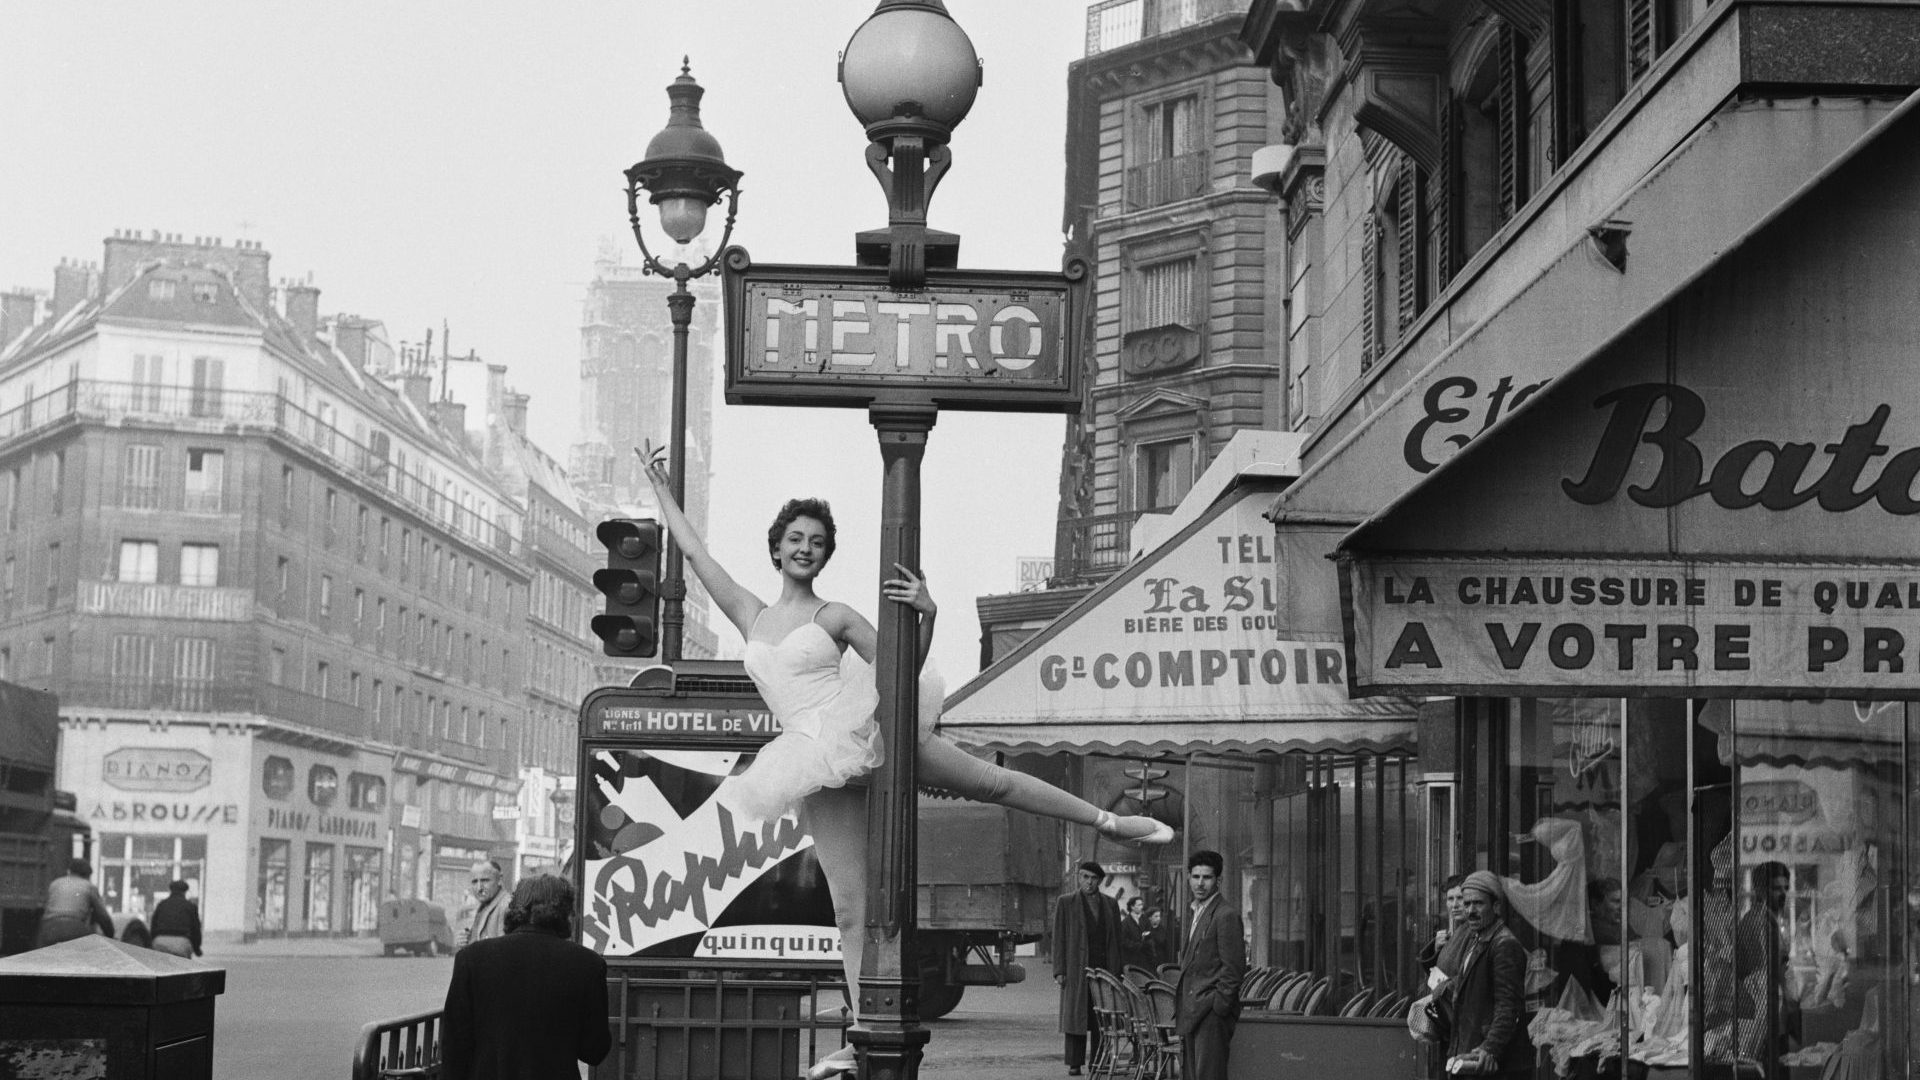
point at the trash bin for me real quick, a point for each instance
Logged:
(94, 1007)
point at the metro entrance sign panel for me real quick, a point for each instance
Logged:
(840, 335)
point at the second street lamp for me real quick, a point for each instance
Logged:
(684, 173)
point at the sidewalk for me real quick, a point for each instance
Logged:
(282, 948)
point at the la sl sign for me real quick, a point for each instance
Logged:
(840, 335)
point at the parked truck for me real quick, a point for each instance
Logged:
(39, 830)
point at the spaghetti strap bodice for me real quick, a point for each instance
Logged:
(799, 675)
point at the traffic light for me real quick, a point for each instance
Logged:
(631, 584)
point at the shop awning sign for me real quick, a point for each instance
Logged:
(1181, 649)
(842, 336)
(1463, 625)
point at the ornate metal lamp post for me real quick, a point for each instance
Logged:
(683, 174)
(910, 75)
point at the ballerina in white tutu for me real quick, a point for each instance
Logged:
(811, 660)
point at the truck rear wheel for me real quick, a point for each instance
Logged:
(938, 997)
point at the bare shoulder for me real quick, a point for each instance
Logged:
(839, 619)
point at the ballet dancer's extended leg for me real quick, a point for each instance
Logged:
(944, 765)
(837, 819)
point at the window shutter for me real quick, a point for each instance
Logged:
(1442, 196)
(1642, 43)
(1369, 302)
(1407, 236)
(1510, 73)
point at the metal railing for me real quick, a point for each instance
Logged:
(1114, 24)
(1158, 183)
(215, 696)
(406, 1046)
(213, 409)
(1092, 549)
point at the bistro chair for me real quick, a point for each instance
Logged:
(1316, 996)
(1357, 1004)
(1119, 1051)
(1390, 1006)
(1169, 972)
(1165, 1032)
(1137, 975)
(1286, 997)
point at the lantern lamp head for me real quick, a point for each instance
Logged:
(684, 171)
(910, 69)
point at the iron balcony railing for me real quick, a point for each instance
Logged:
(221, 410)
(1115, 24)
(1092, 549)
(1168, 180)
(215, 696)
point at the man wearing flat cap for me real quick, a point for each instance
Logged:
(1485, 996)
(1086, 934)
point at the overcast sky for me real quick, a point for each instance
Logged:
(435, 161)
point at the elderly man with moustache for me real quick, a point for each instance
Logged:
(1212, 964)
(1086, 934)
(1485, 996)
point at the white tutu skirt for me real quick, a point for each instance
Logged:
(846, 749)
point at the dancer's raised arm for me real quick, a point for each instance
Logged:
(739, 605)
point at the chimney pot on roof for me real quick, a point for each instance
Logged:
(17, 312)
(303, 310)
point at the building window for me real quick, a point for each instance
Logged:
(366, 792)
(379, 708)
(284, 569)
(319, 906)
(13, 499)
(1164, 295)
(205, 292)
(160, 289)
(6, 662)
(322, 679)
(57, 483)
(380, 623)
(1165, 472)
(276, 778)
(326, 596)
(277, 666)
(209, 377)
(200, 565)
(362, 888)
(359, 606)
(353, 689)
(1489, 141)
(53, 573)
(149, 375)
(323, 785)
(270, 893)
(132, 670)
(193, 672)
(406, 553)
(139, 561)
(6, 582)
(286, 488)
(206, 481)
(136, 870)
(1169, 153)
(140, 480)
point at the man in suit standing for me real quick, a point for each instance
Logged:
(531, 1003)
(1086, 934)
(1212, 963)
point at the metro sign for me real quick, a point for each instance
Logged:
(840, 335)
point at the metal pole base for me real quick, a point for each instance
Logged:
(888, 1051)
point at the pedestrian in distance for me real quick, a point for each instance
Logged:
(1451, 923)
(1163, 939)
(488, 918)
(1134, 949)
(1483, 999)
(1086, 934)
(175, 925)
(73, 907)
(1213, 962)
(811, 660)
(529, 1004)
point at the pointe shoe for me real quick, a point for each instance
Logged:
(839, 1063)
(1133, 829)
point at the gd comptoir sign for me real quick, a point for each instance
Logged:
(840, 335)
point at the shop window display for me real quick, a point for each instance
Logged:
(319, 898)
(135, 870)
(270, 891)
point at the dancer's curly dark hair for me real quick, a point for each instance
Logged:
(799, 508)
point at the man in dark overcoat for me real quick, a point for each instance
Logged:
(1086, 934)
(530, 1004)
(1213, 961)
(1486, 995)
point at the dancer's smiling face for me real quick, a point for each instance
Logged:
(803, 550)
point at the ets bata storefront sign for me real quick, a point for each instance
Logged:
(1467, 626)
